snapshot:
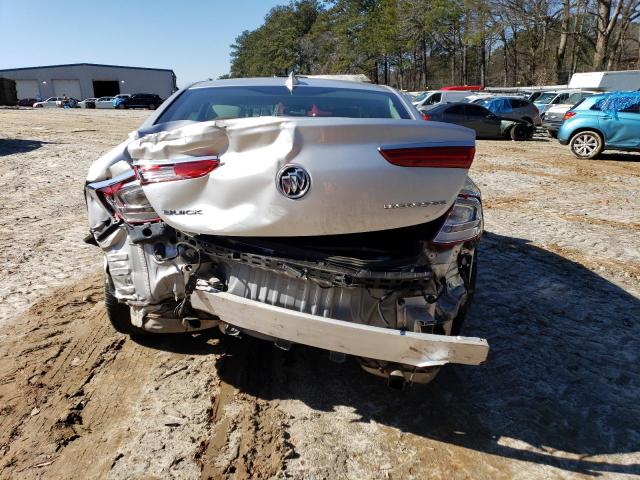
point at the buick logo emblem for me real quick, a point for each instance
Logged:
(293, 181)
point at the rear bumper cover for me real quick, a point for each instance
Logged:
(409, 348)
(553, 125)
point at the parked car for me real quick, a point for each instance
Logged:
(88, 103)
(27, 102)
(139, 100)
(591, 127)
(51, 102)
(434, 97)
(104, 102)
(512, 108)
(485, 123)
(320, 212)
(120, 98)
(553, 117)
(547, 99)
(69, 102)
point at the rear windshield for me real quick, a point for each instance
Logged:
(203, 104)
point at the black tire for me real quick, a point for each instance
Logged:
(152, 106)
(586, 144)
(119, 314)
(519, 132)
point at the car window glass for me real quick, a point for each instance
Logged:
(545, 98)
(433, 99)
(632, 109)
(561, 98)
(576, 97)
(455, 110)
(476, 111)
(202, 104)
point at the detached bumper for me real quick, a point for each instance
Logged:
(409, 348)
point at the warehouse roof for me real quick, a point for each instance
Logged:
(84, 64)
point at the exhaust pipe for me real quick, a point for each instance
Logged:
(396, 380)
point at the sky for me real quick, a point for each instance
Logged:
(190, 37)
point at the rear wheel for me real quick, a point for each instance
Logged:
(519, 132)
(587, 144)
(118, 313)
(152, 106)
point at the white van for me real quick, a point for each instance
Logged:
(606, 81)
(431, 98)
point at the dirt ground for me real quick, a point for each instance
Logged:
(558, 301)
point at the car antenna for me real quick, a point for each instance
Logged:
(291, 82)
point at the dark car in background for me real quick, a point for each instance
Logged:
(27, 102)
(512, 108)
(486, 124)
(140, 100)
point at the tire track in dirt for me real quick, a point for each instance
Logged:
(249, 437)
(81, 401)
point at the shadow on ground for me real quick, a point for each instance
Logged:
(11, 146)
(204, 343)
(618, 157)
(562, 372)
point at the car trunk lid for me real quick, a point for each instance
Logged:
(284, 176)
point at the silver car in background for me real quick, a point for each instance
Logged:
(299, 210)
(51, 102)
(104, 102)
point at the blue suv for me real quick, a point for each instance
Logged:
(602, 122)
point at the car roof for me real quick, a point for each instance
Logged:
(280, 81)
(444, 106)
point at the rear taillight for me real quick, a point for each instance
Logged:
(465, 220)
(434, 157)
(148, 172)
(426, 117)
(568, 115)
(128, 202)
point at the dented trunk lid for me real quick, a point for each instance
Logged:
(349, 186)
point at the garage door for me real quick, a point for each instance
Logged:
(71, 88)
(27, 88)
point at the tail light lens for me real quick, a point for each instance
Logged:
(568, 115)
(425, 117)
(128, 202)
(465, 220)
(434, 157)
(169, 172)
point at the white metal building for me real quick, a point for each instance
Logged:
(84, 80)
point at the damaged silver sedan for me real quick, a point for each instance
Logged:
(305, 211)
